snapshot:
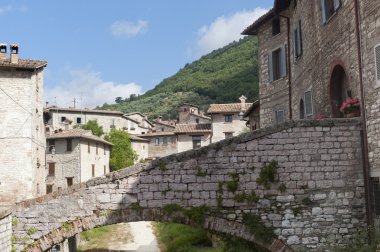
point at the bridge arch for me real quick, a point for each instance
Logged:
(317, 178)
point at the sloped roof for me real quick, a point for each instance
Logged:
(138, 139)
(24, 63)
(255, 104)
(227, 108)
(193, 128)
(85, 110)
(77, 133)
(278, 6)
(154, 134)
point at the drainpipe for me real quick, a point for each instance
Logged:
(289, 66)
(366, 169)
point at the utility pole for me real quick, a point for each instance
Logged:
(74, 101)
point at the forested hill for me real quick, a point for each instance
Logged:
(221, 76)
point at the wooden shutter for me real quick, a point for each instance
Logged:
(295, 45)
(336, 4)
(377, 63)
(299, 38)
(284, 60)
(323, 11)
(308, 105)
(270, 67)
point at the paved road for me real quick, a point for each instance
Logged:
(143, 238)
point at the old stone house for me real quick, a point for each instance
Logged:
(67, 118)
(22, 155)
(191, 130)
(140, 146)
(74, 156)
(227, 119)
(312, 56)
(252, 116)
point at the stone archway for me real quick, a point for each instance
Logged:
(339, 89)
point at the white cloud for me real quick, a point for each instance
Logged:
(90, 86)
(123, 28)
(224, 30)
(5, 9)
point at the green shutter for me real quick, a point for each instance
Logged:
(270, 67)
(284, 58)
(323, 11)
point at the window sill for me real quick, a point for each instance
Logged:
(278, 80)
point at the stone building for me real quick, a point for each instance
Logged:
(227, 119)
(252, 116)
(189, 113)
(140, 146)
(313, 55)
(74, 156)
(22, 139)
(66, 118)
(193, 136)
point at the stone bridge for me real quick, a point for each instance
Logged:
(298, 185)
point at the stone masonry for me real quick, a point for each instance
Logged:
(316, 201)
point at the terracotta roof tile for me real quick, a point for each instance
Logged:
(77, 133)
(227, 108)
(24, 63)
(193, 128)
(137, 139)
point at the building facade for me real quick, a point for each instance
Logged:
(313, 56)
(67, 118)
(22, 136)
(75, 156)
(227, 119)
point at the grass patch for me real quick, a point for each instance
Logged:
(162, 166)
(196, 214)
(201, 173)
(268, 174)
(171, 208)
(255, 226)
(182, 238)
(282, 188)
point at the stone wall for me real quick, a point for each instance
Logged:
(22, 166)
(370, 31)
(316, 200)
(5, 230)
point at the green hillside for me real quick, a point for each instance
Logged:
(219, 77)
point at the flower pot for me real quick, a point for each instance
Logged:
(355, 113)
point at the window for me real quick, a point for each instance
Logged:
(93, 170)
(276, 26)
(157, 141)
(377, 63)
(165, 141)
(97, 148)
(51, 144)
(88, 147)
(308, 105)
(297, 41)
(105, 169)
(51, 170)
(197, 142)
(104, 149)
(69, 182)
(49, 189)
(228, 118)
(376, 194)
(79, 120)
(69, 144)
(228, 135)
(277, 64)
(63, 118)
(302, 110)
(280, 116)
(328, 9)
(197, 120)
(162, 129)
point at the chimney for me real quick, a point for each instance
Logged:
(242, 102)
(3, 51)
(14, 53)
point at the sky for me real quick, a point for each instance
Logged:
(99, 50)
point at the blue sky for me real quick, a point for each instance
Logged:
(98, 50)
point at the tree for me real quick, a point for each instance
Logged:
(118, 100)
(122, 154)
(94, 127)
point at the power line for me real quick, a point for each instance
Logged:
(14, 100)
